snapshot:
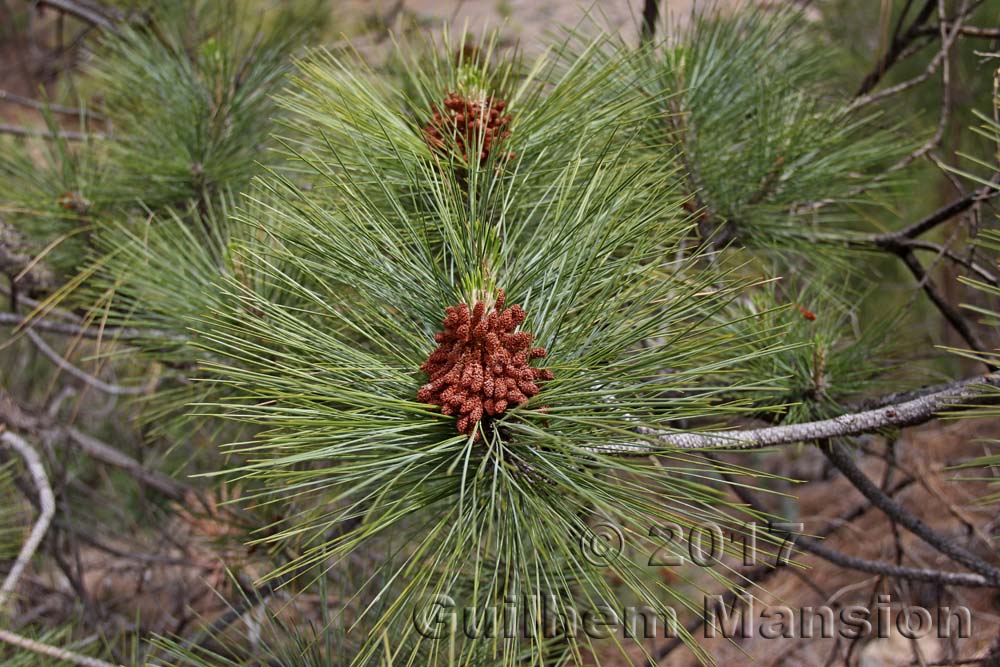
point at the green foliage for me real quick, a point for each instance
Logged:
(831, 358)
(50, 191)
(989, 464)
(191, 100)
(763, 139)
(329, 370)
(988, 241)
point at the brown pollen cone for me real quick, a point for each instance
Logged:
(481, 366)
(464, 121)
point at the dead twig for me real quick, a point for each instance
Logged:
(14, 415)
(99, 17)
(47, 503)
(7, 96)
(840, 458)
(70, 329)
(650, 17)
(19, 131)
(51, 651)
(86, 378)
(864, 98)
(898, 45)
(950, 313)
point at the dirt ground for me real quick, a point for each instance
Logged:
(529, 21)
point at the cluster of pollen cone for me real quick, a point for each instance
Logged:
(481, 365)
(470, 125)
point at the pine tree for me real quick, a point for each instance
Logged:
(492, 328)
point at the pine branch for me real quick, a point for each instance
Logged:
(958, 395)
(905, 396)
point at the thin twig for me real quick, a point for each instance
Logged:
(47, 502)
(839, 457)
(762, 572)
(945, 115)
(19, 131)
(88, 14)
(14, 415)
(898, 45)
(967, 31)
(69, 329)
(107, 454)
(650, 17)
(86, 378)
(902, 243)
(818, 548)
(943, 214)
(939, 57)
(950, 313)
(980, 271)
(13, 98)
(51, 651)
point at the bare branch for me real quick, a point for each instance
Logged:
(14, 415)
(96, 383)
(69, 329)
(949, 312)
(51, 651)
(107, 454)
(47, 503)
(977, 269)
(18, 131)
(897, 47)
(903, 243)
(839, 457)
(87, 14)
(915, 411)
(819, 548)
(946, 95)
(967, 31)
(650, 16)
(7, 96)
(932, 66)
(943, 214)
